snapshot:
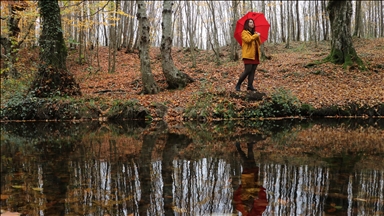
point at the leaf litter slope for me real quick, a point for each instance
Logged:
(321, 85)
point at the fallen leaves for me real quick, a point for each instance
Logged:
(320, 85)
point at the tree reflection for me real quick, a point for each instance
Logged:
(145, 171)
(174, 144)
(163, 171)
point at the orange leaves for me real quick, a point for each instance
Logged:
(320, 85)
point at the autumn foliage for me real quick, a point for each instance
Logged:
(319, 85)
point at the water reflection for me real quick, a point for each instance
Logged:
(250, 198)
(228, 168)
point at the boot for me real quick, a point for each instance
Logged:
(251, 88)
(237, 87)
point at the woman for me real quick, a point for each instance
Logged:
(251, 53)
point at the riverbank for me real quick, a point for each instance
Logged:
(288, 86)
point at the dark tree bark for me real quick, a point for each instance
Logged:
(342, 50)
(149, 84)
(53, 78)
(175, 78)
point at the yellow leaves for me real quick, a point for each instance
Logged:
(19, 187)
(122, 13)
(37, 189)
(23, 187)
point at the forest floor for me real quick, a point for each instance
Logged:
(322, 85)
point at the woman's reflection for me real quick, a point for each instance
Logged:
(250, 198)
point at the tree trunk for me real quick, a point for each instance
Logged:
(10, 43)
(262, 50)
(282, 21)
(179, 29)
(382, 19)
(274, 26)
(191, 30)
(113, 41)
(357, 32)
(215, 45)
(342, 50)
(325, 22)
(316, 24)
(131, 34)
(288, 26)
(175, 78)
(234, 56)
(149, 84)
(298, 21)
(53, 78)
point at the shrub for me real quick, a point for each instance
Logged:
(282, 103)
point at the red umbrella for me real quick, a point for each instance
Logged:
(261, 26)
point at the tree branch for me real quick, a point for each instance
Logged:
(26, 34)
(102, 8)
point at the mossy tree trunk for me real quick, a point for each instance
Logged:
(175, 78)
(149, 84)
(342, 50)
(53, 78)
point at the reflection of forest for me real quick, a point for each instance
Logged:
(156, 172)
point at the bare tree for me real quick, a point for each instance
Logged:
(234, 56)
(282, 21)
(298, 21)
(130, 33)
(274, 26)
(342, 50)
(191, 27)
(149, 84)
(288, 25)
(174, 77)
(382, 19)
(263, 56)
(113, 40)
(325, 22)
(214, 37)
(357, 31)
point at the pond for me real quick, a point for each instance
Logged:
(281, 167)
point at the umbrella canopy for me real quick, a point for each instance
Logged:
(261, 26)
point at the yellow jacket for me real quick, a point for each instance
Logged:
(250, 45)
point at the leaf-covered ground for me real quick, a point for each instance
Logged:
(320, 85)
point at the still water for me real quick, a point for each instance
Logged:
(286, 167)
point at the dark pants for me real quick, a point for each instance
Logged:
(250, 72)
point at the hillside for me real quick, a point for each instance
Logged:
(322, 85)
